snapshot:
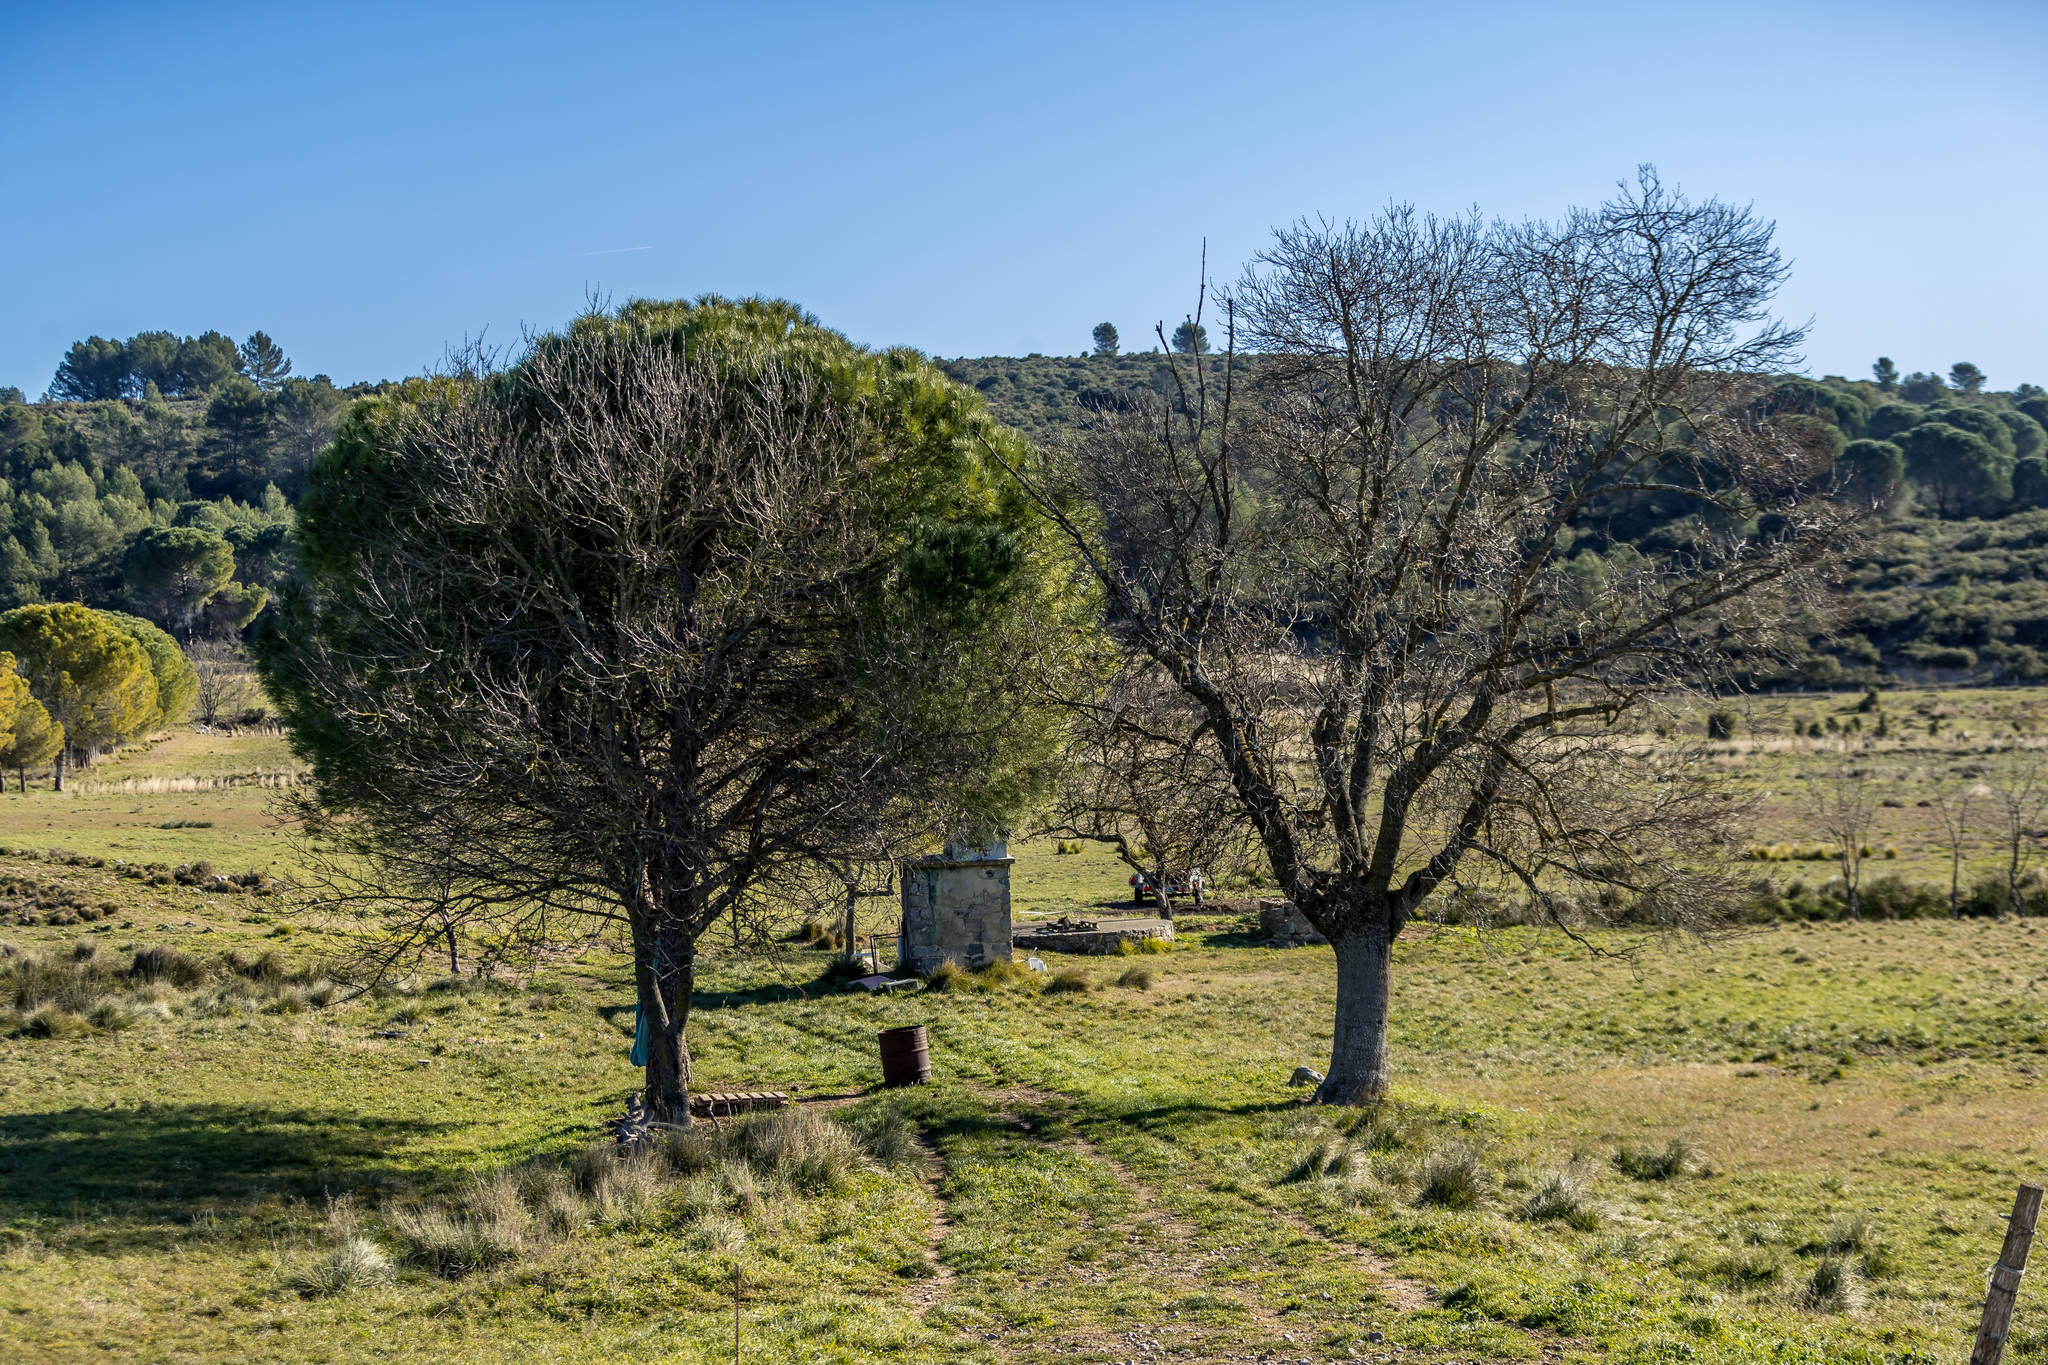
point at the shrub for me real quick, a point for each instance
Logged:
(1722, 724)
(946, 976)
(1136, 979)
(1677, 1158)
(1155, 945)
(1451, 1178)
(1067, 981)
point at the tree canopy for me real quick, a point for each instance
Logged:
(688, 599)
(91, 675)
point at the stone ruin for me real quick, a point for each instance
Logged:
(1284, 926)
(956, 908)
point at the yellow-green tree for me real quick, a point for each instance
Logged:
(33, 738)
(91, 676)
(177, 681)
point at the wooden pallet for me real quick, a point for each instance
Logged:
(736, 1102)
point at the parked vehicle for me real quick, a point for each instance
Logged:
(1178, 888)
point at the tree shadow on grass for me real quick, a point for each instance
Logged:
(168, 1164)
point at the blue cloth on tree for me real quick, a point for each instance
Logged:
(639, 1057)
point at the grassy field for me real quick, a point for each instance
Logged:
(1795, 1145)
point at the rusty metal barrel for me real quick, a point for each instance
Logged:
(906, 1055)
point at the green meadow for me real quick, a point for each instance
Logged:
(1792, 1144)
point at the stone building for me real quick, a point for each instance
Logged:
(956, 908)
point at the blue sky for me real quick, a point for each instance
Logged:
(371, 184)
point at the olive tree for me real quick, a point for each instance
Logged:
(1373, 557)
(634, 633)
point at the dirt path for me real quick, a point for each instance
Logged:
(926, 1294)
(1176, 1259)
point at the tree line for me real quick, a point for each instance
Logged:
(75, 682)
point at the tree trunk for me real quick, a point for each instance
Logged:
(665, 970)
(852, 947)
(1365, 981)
(58, 784)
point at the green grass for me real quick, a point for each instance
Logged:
(1096, 1175)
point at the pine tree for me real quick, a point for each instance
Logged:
(264, 361)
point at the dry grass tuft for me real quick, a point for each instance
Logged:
(1678, 1157)
(1562, 1197)
(1068, 981)
(1451, 1177)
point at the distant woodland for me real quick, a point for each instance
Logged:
(158, 475)
(1951, 584)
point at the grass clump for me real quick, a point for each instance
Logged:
(1136, 979)
(1562, 1197)
(1068, 981)
(1452, 1177)
(1676, 1158)
(352, 1264)
(1832, 1286)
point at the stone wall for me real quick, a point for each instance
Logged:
(1284, 926)
(956, 908)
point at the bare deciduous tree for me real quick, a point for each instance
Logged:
(2019, 798)
(1847, 808)
(1952, 806)
(1374, 557)
(226, 685)
(644, 628)
(1141, 779)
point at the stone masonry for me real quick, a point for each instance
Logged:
(956, 908)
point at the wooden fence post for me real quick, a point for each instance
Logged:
(2005, 1278)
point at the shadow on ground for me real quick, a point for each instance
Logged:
(166, 1163)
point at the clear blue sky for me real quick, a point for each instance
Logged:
(370, 183)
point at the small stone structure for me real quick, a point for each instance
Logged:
(956, 908)
(1098, 937)
(1284, 926)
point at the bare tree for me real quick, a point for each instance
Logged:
(226, 683)
(1847, 809)
(627, 638)
(1141, 779)
(2019, 796)
(1373, 557)
(1952, 806)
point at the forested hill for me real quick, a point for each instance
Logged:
(159, 473)
(1953, 583)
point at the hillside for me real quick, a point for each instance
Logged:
(1960, 597)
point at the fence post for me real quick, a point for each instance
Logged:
(2005, 1278)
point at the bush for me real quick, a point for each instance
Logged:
(1068, 981)
(1136, 979)
(1722, 724)
(947, 976)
